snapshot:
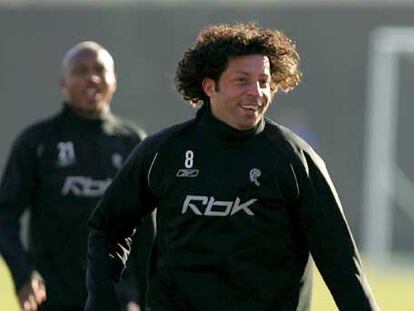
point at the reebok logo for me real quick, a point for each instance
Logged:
(82, 186)
(187, 172)
(213, 207)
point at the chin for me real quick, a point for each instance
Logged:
(92, 103)
(245, 127)
(249, 124)
(95, 106)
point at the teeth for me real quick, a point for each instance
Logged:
(251, 107)
(91, 91)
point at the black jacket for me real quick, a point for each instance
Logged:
(58, 168)
(240, 213)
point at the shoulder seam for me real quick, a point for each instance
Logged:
(150, 168)
(276, 129)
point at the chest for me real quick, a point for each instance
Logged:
(202, 181)
(79, 166)
(238, 196)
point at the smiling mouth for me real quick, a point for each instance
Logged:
(92, 94)
(251, 107)
(91, 91)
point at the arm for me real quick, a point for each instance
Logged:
(329, 237)
(112, 224)
(15, 192)
(133, 284)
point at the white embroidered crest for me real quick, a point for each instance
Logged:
(66, 154)
(255, 173)
(117, 160)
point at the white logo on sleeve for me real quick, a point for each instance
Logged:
(215, 208)
(66, 154)
(255, 173)
(188, 171)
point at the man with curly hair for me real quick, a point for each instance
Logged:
(243, 203)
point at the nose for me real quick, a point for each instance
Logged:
(93, 77)
(255, 89)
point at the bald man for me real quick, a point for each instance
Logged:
(58, 169)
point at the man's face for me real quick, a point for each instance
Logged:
(89, 82)
(243, 93)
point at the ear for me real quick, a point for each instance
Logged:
(62, 84)
(115, 85)
(209, 87)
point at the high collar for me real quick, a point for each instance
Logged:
(82, 122)
(224, 131)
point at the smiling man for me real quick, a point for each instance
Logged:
(58, 169)
(243, 203)
(242, 95)
(88, 79)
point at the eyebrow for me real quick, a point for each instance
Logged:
(247, 74)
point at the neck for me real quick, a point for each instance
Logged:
(90, 115)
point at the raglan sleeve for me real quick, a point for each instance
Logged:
(16, 189)
(112, 226)
(133, 283)
(329, 237)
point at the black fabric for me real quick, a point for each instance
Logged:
(58, 168)
(47, 307)
(239, 215)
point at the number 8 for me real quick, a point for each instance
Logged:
(189, 157)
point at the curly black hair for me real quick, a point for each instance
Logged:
(216, 44)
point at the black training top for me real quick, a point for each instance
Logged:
(239, 215)
(59, 168)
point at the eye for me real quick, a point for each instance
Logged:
(80, 71)
(241, 80)
(264, 83)
(100, 70)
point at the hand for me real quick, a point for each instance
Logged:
(132, 306)
(32, 293)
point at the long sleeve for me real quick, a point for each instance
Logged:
(112, 224)
(329, 237)
(133, 284)
(15, 193)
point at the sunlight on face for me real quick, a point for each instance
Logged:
(89, 81)
(243, 93)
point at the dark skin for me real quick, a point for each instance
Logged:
(32, 294)
(88, 81)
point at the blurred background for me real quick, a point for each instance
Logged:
(353, 105)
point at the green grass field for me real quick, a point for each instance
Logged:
(393, 288)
